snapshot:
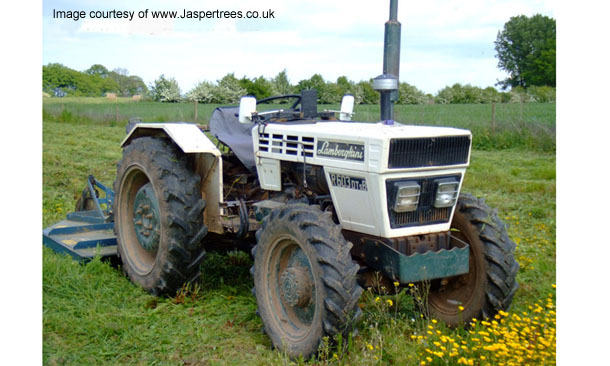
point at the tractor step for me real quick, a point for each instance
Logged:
(82, 238)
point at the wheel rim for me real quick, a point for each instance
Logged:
(139, 218)
(291, 287)
(146, 218)
(448, 294)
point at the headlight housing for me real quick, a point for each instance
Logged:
(446, 192)
(407, 196)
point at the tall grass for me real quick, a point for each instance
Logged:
(528, 125)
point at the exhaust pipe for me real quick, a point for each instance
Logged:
(387, 83)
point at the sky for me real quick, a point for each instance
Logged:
(443, 42)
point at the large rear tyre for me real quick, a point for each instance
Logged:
(490, 284)
(158, 216)
(304, 279)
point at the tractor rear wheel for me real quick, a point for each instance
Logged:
(490, 284)
(304, 279)
(158, 216)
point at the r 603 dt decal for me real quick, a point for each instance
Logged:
(344, 181)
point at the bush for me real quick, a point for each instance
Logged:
(165, 90)
(542, 94)
(408, 94)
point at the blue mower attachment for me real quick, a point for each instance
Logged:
(88, 231)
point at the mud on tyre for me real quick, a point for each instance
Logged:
(158, 215)
(305, 279)
(490, 284)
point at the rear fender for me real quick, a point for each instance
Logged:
(192, 140)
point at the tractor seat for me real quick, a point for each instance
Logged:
(225, 126)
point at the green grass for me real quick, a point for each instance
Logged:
(529, 125)
(93, 315)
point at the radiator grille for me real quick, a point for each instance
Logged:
(426, 213)
(428, 151)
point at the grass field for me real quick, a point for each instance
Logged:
(93, 315)
(528, 125)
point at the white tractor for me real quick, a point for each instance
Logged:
(322, 201)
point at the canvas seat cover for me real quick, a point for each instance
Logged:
(225, 126)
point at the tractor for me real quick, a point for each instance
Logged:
(322, 202)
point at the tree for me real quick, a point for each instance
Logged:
(128, 85)
(526, 50)
(365, 93)
(280, 85)
(97, 69)
(327, 92)
(229, 90)
(204, 92)
(260, 87)
(165, 90)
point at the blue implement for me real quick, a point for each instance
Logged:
(85, 234)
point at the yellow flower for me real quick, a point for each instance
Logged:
(423, 363)
(396, 283)
(411, 285)
(369, 346)
(389, 302)
(461, 308)
(377, 299)
(434, 321)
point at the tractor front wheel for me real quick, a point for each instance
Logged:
(158, 215)
(490, 284)
(305, 279)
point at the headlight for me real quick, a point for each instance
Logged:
(446, 192)
(407, 196)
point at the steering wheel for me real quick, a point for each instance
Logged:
(297, 98)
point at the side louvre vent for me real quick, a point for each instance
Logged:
(428, 151)
(286, 145)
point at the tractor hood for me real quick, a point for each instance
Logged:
(370, 147)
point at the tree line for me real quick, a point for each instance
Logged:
(59, 80)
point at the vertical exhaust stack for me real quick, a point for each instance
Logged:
(387, 83)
